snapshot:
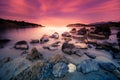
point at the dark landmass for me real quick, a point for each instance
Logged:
(8, 24)
(107, 24)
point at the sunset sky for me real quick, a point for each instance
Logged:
(60, 12)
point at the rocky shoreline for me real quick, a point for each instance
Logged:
(76, 58)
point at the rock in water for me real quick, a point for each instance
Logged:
(90, 55)
(108, 66)
(23, 45)
(34, 54)
(87, 66)
(60, 69)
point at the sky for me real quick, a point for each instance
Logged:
(60, 12)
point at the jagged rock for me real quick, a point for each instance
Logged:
(58, 58)
(60, 69)
(46, 71)
(34, 54)
(32, 72)
(108, 66)
(21, 45)
(87, 66)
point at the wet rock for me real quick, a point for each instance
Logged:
(32, 72)
(34, 41)
(55, 44)
(82, 31)
(60, 69)
(108, 66)
(73, 30)
(66, 34)
(90, 55)
(58, 58)
(46, 70)
(87, 66)
(116, 55)
(34, 54)
(116, 72)
(81, 45)
(67, 45)
(72, 67)
(44, 39)
(21, 45)
(77, 52)
(5, 60)
(55, 35)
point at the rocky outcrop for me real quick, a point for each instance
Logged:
(34, 54)
(87, 66)
(60, 69)
(21, 45)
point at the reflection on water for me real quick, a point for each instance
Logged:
(32, 33)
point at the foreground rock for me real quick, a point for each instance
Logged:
(21, 45)
(108, 66)
(34, 54)
(60, 69)
(87, 66)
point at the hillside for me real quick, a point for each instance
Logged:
(7, 24)
(108, 24)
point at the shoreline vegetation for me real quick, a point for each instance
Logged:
(8, 24)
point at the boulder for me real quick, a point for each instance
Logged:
(87, 66)
(44, 39)
(34, 54)
(108, 66)
(34, 41)
(77, 52)
(21, 45)
(72, 67)
(60, 69)
(66, 34)
(46, 71)
(82, 31)
(55, 35)
(58, 58)
(73, 30)
(67, 45)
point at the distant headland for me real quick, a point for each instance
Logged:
(8, 24)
